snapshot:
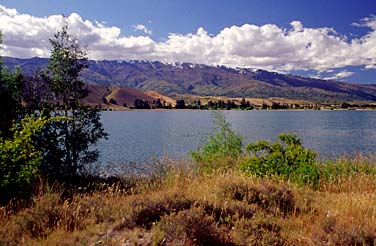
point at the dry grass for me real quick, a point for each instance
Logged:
(184, 207)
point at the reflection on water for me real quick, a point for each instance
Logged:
(140, 135)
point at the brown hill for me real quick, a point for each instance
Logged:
(157, 95)
(114, 97)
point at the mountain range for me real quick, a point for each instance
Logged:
(177, 79)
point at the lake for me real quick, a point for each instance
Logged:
(139, 135)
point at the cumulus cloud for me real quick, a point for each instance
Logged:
(340, 75)
(268, 46)
(142, 28)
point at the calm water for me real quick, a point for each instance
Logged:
(140, 135)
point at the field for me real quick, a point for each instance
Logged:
(181, 205)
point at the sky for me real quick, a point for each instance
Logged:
(327, 39)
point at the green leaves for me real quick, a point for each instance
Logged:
(19, 157)
(67, 145)
(224, 144)
(10, 98)
(287, 159)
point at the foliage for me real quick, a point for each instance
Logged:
(67, 145)
(19, 157)
(225, 143)
(10, 97)
(287, 159)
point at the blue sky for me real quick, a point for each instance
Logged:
(324, 38)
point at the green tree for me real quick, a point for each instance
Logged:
(68, 145)
(224, 144)
(10, 97)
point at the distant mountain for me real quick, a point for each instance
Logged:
(202, 80)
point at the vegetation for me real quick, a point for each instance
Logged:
(187, 207)
(224, 143)
(263, 194)
(287, 159)
(10, 97)
(19, 158)
(67, 143)
(38, 144)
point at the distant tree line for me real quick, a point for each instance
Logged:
(154, 104)
(242, 105)
(196, 104)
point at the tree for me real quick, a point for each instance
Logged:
(10, 97)
(68, 144)
(223, 143)
(180, 104)
(141, 104)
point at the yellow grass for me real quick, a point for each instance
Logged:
(338, 213)
(158, 95)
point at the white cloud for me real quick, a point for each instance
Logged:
(267, 46)
(367, 22)
(142, 28)
(340, 75)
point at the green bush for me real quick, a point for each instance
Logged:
(19, 158)
(287, 159)
(223, 144)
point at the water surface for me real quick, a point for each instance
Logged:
(140, 135)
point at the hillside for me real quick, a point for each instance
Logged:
(119, 97)
(202, 80)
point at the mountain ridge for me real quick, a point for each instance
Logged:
(203, 80)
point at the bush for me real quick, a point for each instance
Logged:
(147, 211)
(225, 143)
(259, 231)
(19, 158)
(270, 198)
(190, 227)
(287, 159)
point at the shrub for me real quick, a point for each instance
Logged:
(259, 231)
(147, 211)
(19, 158)
(223, 144)
(191, 227)
(270, 198)
(287, 159)
(228, 213)
(49, 213)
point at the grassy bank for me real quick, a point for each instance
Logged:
(185, 206)
(228, 194)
